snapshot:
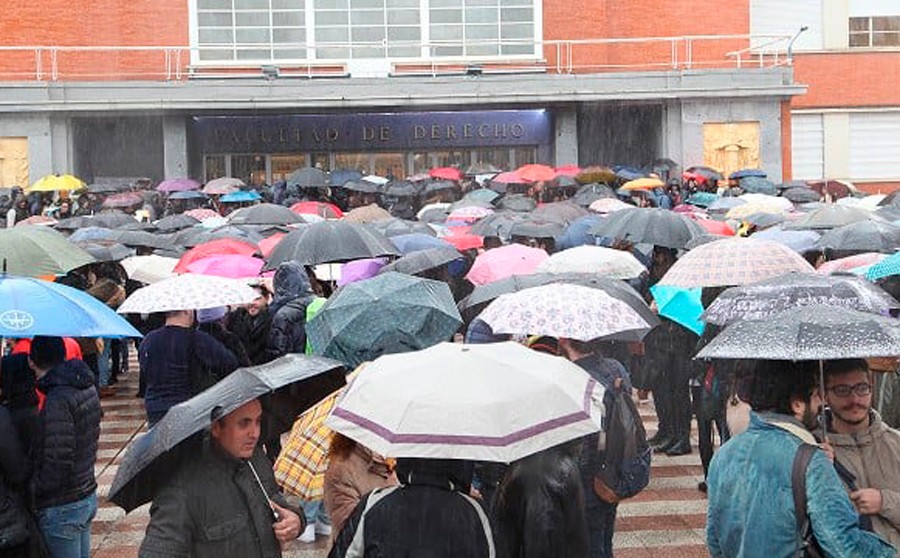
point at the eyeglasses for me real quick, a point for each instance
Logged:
(844, 390)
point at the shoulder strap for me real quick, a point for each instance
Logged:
(358, 545)
(485, 524)
(798, 487)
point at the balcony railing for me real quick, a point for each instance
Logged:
(578, 56)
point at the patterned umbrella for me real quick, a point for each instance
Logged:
(885, 268)
(513, 259)
(564, 310)
(734, 261)
(469, 214)
(188, 292)
(201, 214)
(765, 298)
(598, 260)
(224, 185)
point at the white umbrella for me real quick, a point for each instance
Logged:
(149, 269)
(188, 292)
(606, 262)
(474, 402)
(564, 310)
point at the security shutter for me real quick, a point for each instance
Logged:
(778, 17)
(874, 145)
(807, 146)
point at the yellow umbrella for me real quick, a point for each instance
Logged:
(56, 182)
(643, 184)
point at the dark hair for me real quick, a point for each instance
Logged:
(843, 366)
(47, 352)
(583, 347)
(775, 383)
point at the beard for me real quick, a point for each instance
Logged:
(845, 417)
(810, 418)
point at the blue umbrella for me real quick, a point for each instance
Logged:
(702, 199)
(798, 241)
(682, 306)
(91, 234)
(241, 196)
(885, 268)
(415, 242)
(577, 234)
(188, 195)
(35, 307)
(744, 173)
(628, 173)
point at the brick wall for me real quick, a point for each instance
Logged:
(848, 79)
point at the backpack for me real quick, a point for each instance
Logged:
(806, 547)
(626, 467)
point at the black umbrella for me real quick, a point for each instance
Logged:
(703, 239)
(764, 220)
(107, 252)
(362, 186)
(176, 223)
(198, 235)
(422, 260)
(659, 227)
(589, 193)
(107, 187)
(171, 252)
(830, 216)
(307, 177)
(534, 228)
(265, 214)
(141, 239)
(563, 212)
(440, 186)
(339, 177)
(801, 195)
(298, 382)
(395, 227)
(863, 236)
(434, 214)
(330, 242)
(518, 202)
(888, 213)
(765, 298)
(498, 224)
(401, 189)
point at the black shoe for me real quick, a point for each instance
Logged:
(702, 487)
(679, 448)
(659, 438)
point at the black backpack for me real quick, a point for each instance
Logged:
(626, 467)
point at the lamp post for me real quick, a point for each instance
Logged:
(790, 47)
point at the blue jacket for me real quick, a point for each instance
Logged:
(751, 507)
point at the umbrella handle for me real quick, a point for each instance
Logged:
(823, 416)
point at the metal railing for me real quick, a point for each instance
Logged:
(179, 63)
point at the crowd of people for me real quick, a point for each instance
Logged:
(553, 503)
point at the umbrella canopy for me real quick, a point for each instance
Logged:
(187, 195)
(339, 177)
(518, 202)
(423, 260)
(220, 247)
(397, 227)
(224, 185)
(499, 224)
(578, 233)
(402, 189)
(469, 214)
(605, 206)
(151, 460)
(446, 173)
(361, 186)
(565, 310)
(264, 214)
(513, 259)
(863, 236)
(841, 265)
(57, 183)
(124, 199)
(188, 292)
(234, 266)
(816, 332)
(589, 193)
(107, 187)
(627, 173)
(568, 170)
(149, 269)
(107, 251)
(177, 185)
(643, 184)
(367, 214)
(758, 185)
(408, 243)
(725, 204)
(469, 402)
(885, 268)
(482, 195)
(359, 270)
(764, 220)
(744, 173)
(91, 234)
(535, 173)
(35, 307)
(176, 223)
(39, 251)
(798, 241)
(682, 306)
(766, 298)
(801, 195)
(716, 227)
(596, 175)
(390, 313)
(734, 261)
(830, 217)
(109, 220)
(710, 174)
(460, 239)
(535, 228)
(308, 177)
(331, 241)
(563, 212)
(597, 260)
(37, 220)
(655, 226)
(703, 199)
(322, 209)
(142, 239)
(241, 196)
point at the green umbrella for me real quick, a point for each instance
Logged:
(35, 251)
(390, 313)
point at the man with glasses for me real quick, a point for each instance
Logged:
(865, 445)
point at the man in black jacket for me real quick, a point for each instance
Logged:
(63, 485)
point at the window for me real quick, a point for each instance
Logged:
(264, 31)
(874, 145)
(874, 31)
(808, 146)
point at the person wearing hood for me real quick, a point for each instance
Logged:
(63, 486)
(293, 293)
(251, 324)
(864, 445)
(429, 514)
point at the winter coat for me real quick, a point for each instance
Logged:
(293, 293)
(214, 508)
(20, 398)
(348, 480)
(873, 457)
(539, 507)
(13, 474)
(751, 506)
(429, 514)
(66, 449)
(253, 332)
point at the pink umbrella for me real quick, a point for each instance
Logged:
(201, 213)
(233, 266)
(268, 244)
(508, 178)
(224, 185)
(535, 173)
(850, 262)
(177, 185)
(446, 173)
(568, 170)
(360, 270)
(505, 261)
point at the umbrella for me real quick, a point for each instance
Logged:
(535, 173)
(655, 226)
(56, 183)
(198, 235)
(107, 187)
(39, 251)
(716, 227)
(842, 265)
(35, 307)
(703, 199)
(220, 247)
(605, 206)
(241, 196)
(340, 177)
(757, 185)
(563, 212)
(578, 233)
(568, 170)
(149, 269)
(423, 260)
(264, 214)
(470, 213)
(536, 228)
(708, 173)
(598, 260)
(401, 189)
(682, 306)
(595, 176)
(747, 209)
(460, 239)
(268, 244)
(331, 241)
(396, 227)
(482, 195)
(359, 270)
(308, 177)
(177, 185)
(124, 199)
(176, 223)
(513, 259)
(446, 173)
(187, 195)
(106, 252)
(764, 220)
(322, 209)
(367, 214)
(469, 402)
(628, 173)
(725, 204)
(224, 185)
(390, 313)
(863, 236)
(702, 239)
(234, 266)
(733, 261)
(771, 296)
(800, 195)
(481, 168)
(37, 220)
(589, 193)
(885, 268)
(361, 186)
(798, 241)
(408, 243)
(868, 202)
(150, 461)
(745, 173)
(831, 217)
(518, 202)
(499, 224)
(565, 310)
(434, 212)
(815, 332)
(188, 292)
(643, 184)
(91, 234)
(835, 188)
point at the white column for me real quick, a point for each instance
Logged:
(175, 154)
(566, 137)
(836, 24)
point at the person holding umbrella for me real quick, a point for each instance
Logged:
(226, 503)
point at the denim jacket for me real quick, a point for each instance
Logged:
(751, 507)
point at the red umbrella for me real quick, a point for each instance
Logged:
(446, 173)
(460, 238)
(214, 248)
(322, 209)
(536, 173)
(715, 227)
(266, 245)
(568, 170)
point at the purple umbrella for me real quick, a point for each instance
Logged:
(359, 270)
(178, 185)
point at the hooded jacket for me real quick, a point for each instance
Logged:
(293, 293)
(873, 456)
(66, 449)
